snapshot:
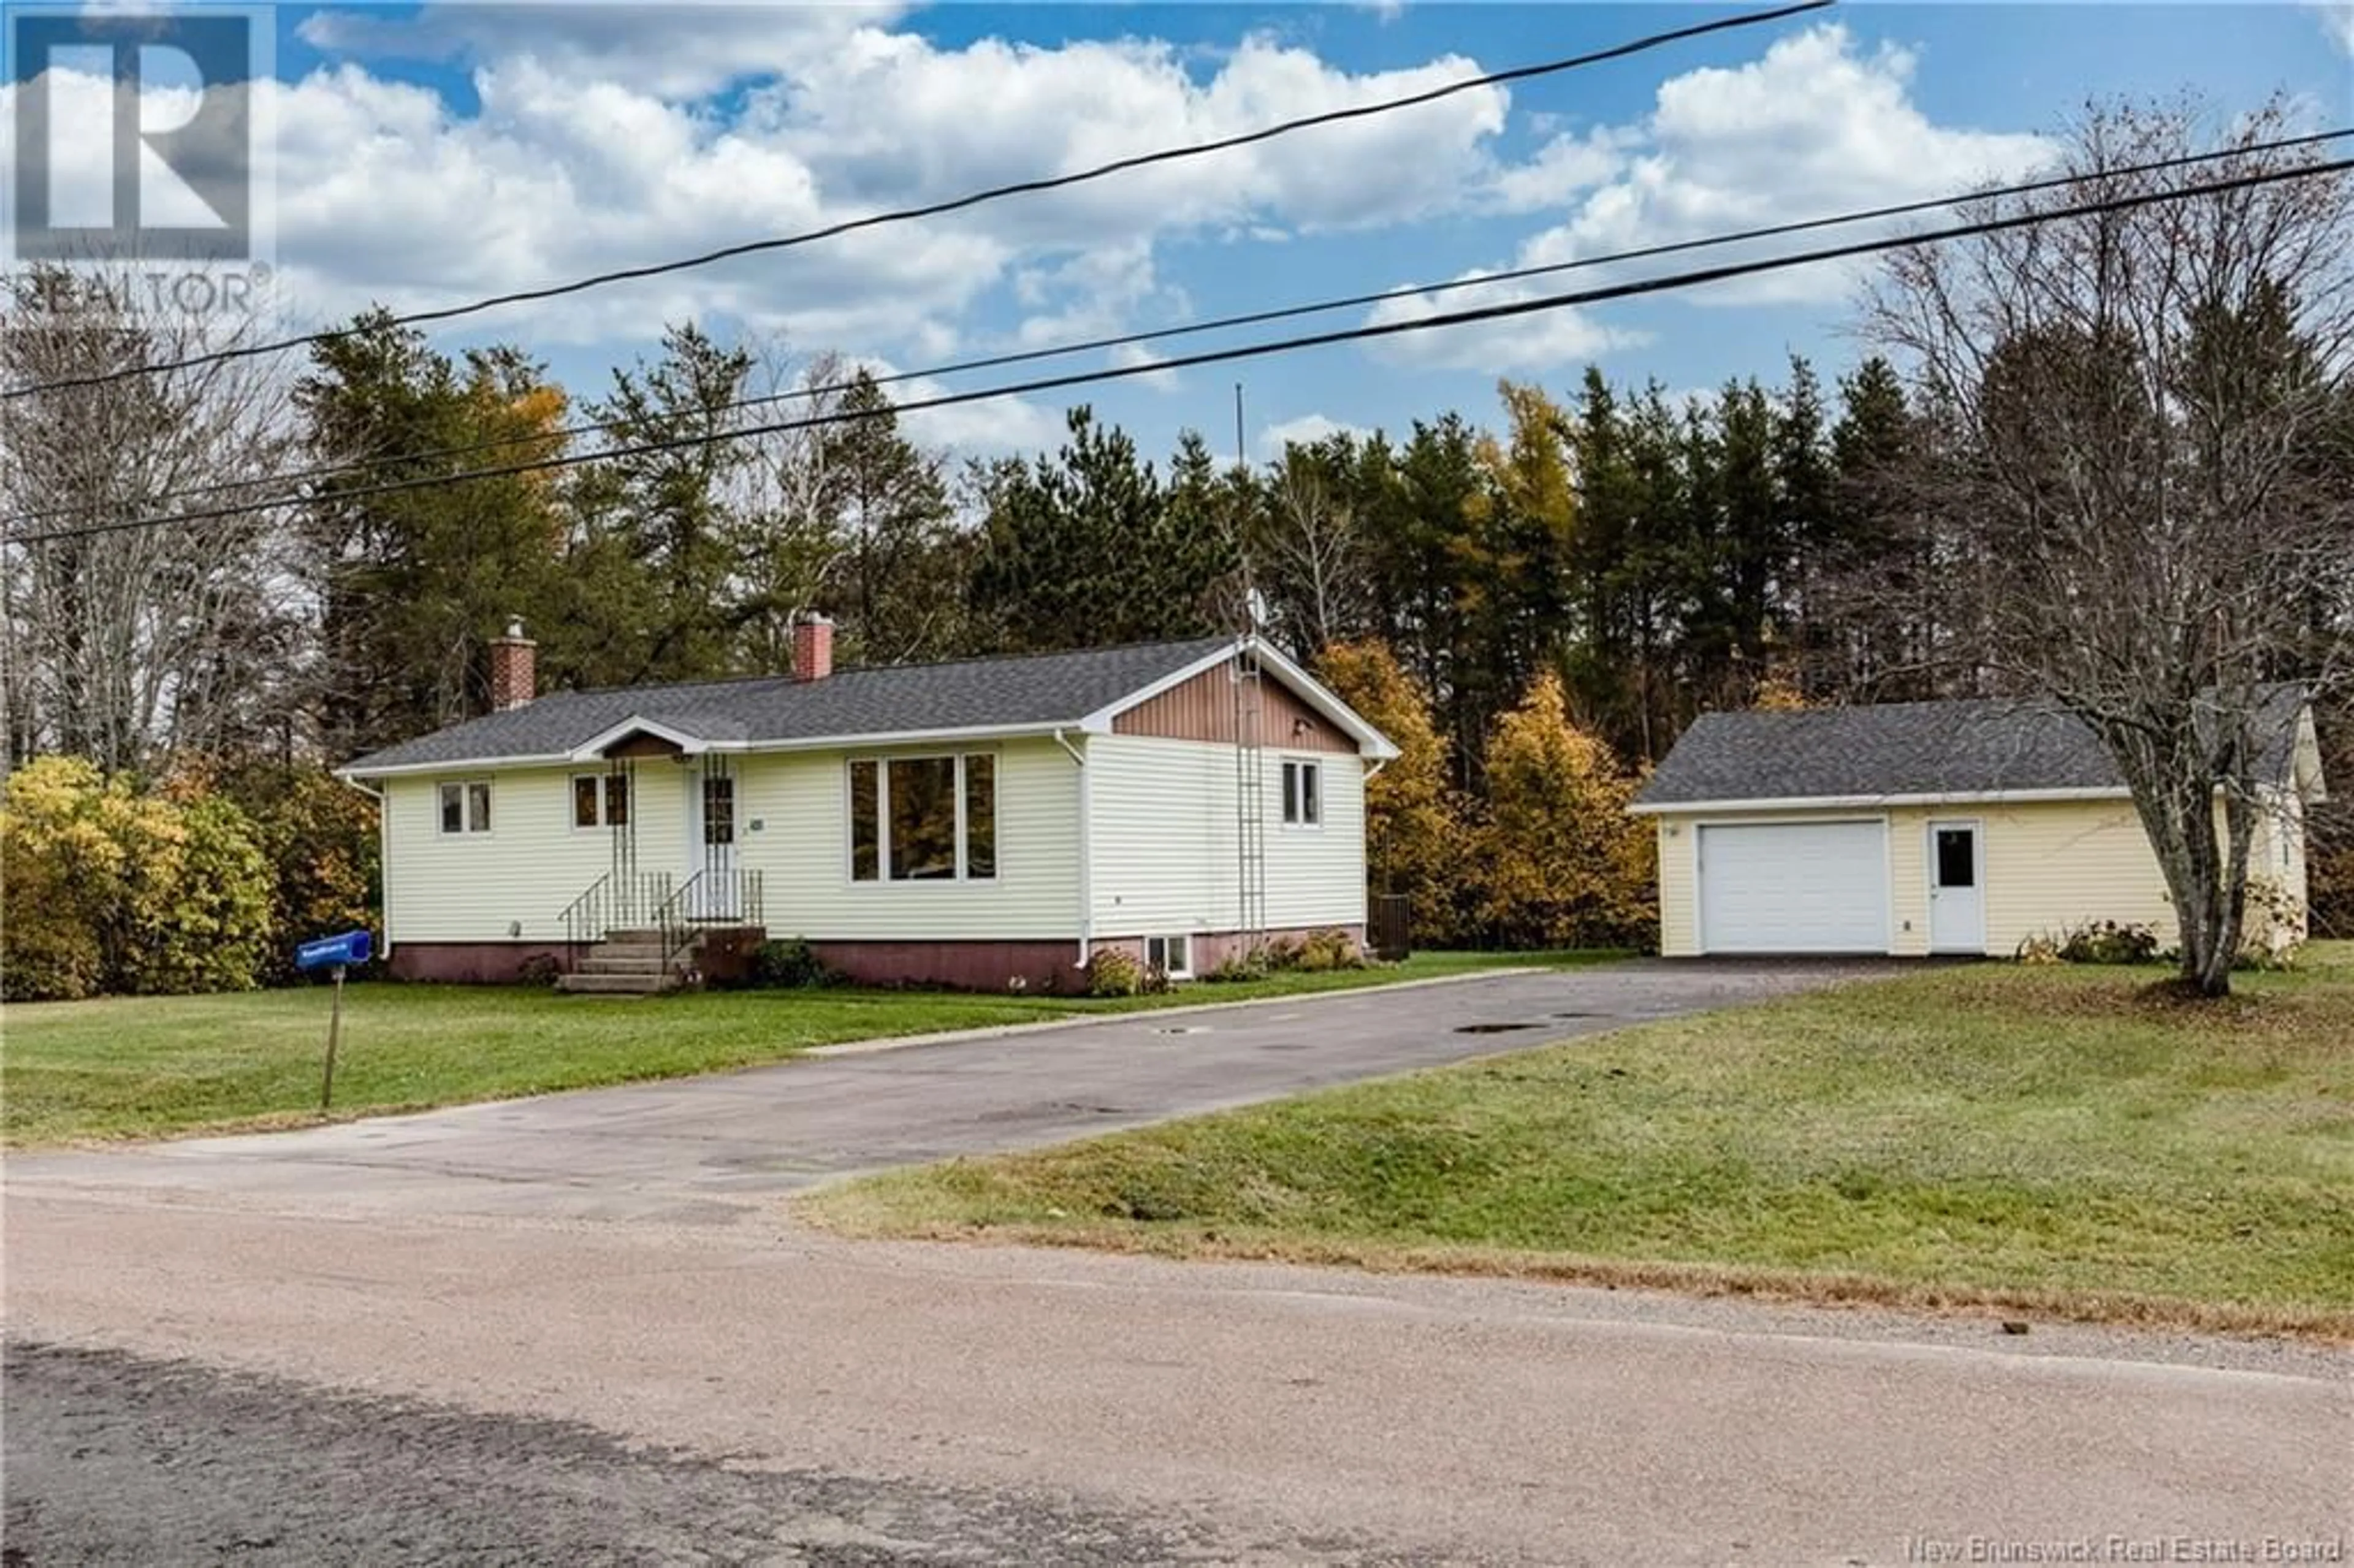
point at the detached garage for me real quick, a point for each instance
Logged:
(1920, 828)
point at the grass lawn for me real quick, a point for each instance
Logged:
(146, 1066)
(2043, 1140)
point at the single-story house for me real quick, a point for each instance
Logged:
(986, 822)
(1919, 828)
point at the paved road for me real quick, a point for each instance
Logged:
(582, 1329)
(698, 1148)
(934, 1405)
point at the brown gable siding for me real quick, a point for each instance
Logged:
(1203, 709)
(640, 744)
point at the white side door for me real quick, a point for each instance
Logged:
(1957, 896)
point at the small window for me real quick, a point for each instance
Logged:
(466, 807)
(718, 810)
(601, 800)
(865, 821)
(1958, 858)
(980, 816)
(1173, 956)
(1303, 804)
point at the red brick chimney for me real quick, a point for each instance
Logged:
(514, 669)
(812, 648)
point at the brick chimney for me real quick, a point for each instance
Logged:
(812, 648)
(514, 668)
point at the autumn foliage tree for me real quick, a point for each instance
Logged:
(1559, 862)
(112, 888)
(1414, 836)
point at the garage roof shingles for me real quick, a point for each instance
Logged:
(1968, 747)
(973, 693)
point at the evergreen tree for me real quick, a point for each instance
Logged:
(412, 584)
(664, 518)
(1083, 548)
(896, 589)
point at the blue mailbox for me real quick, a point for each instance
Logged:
(333, 952)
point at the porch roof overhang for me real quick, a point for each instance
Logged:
(601, 745)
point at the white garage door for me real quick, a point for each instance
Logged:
(1795, 887)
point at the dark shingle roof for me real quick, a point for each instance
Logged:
(1036, 689)
(1978, 747)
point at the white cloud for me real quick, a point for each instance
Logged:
(1811, 128)
(675, 51)
(596, 144)
(1564, 166)
(1305, 430)
(2338, 17)
(1538, 340)
(998, 427)
(1133, 355)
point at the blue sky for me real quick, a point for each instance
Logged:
(433, 153)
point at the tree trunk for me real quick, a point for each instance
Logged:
(2205, 880)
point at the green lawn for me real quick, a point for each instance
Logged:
(148, 1067)
(2045, 1139)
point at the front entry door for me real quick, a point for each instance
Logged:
(716, 891)
(1957, 902)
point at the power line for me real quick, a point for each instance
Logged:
(353, 466)
(971, 199)
(1629, 290)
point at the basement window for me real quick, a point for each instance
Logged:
(466, 806)
(1173, 956)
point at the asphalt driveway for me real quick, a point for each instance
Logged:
(710, 1148)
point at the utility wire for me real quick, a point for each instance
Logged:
(971, 199)
(1629, 290)
(349, 467)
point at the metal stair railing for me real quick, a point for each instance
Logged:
(614, 902)
(713, 895)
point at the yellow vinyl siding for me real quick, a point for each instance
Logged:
(802, 849)
(1678, 887)
(512, 883)
(2065, 863)
(2048, 865)
(1163, 840)
(479, 887)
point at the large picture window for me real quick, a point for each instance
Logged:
(924, 819)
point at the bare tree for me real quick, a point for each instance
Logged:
(131, 645)
(2139, 414)
(1312, 553)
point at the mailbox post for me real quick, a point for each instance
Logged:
(333, 953)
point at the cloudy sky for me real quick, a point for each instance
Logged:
(435, 153)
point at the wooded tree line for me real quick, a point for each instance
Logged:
(1661, 555)
(1607, 556)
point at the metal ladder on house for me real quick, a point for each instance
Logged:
(1250, 796)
